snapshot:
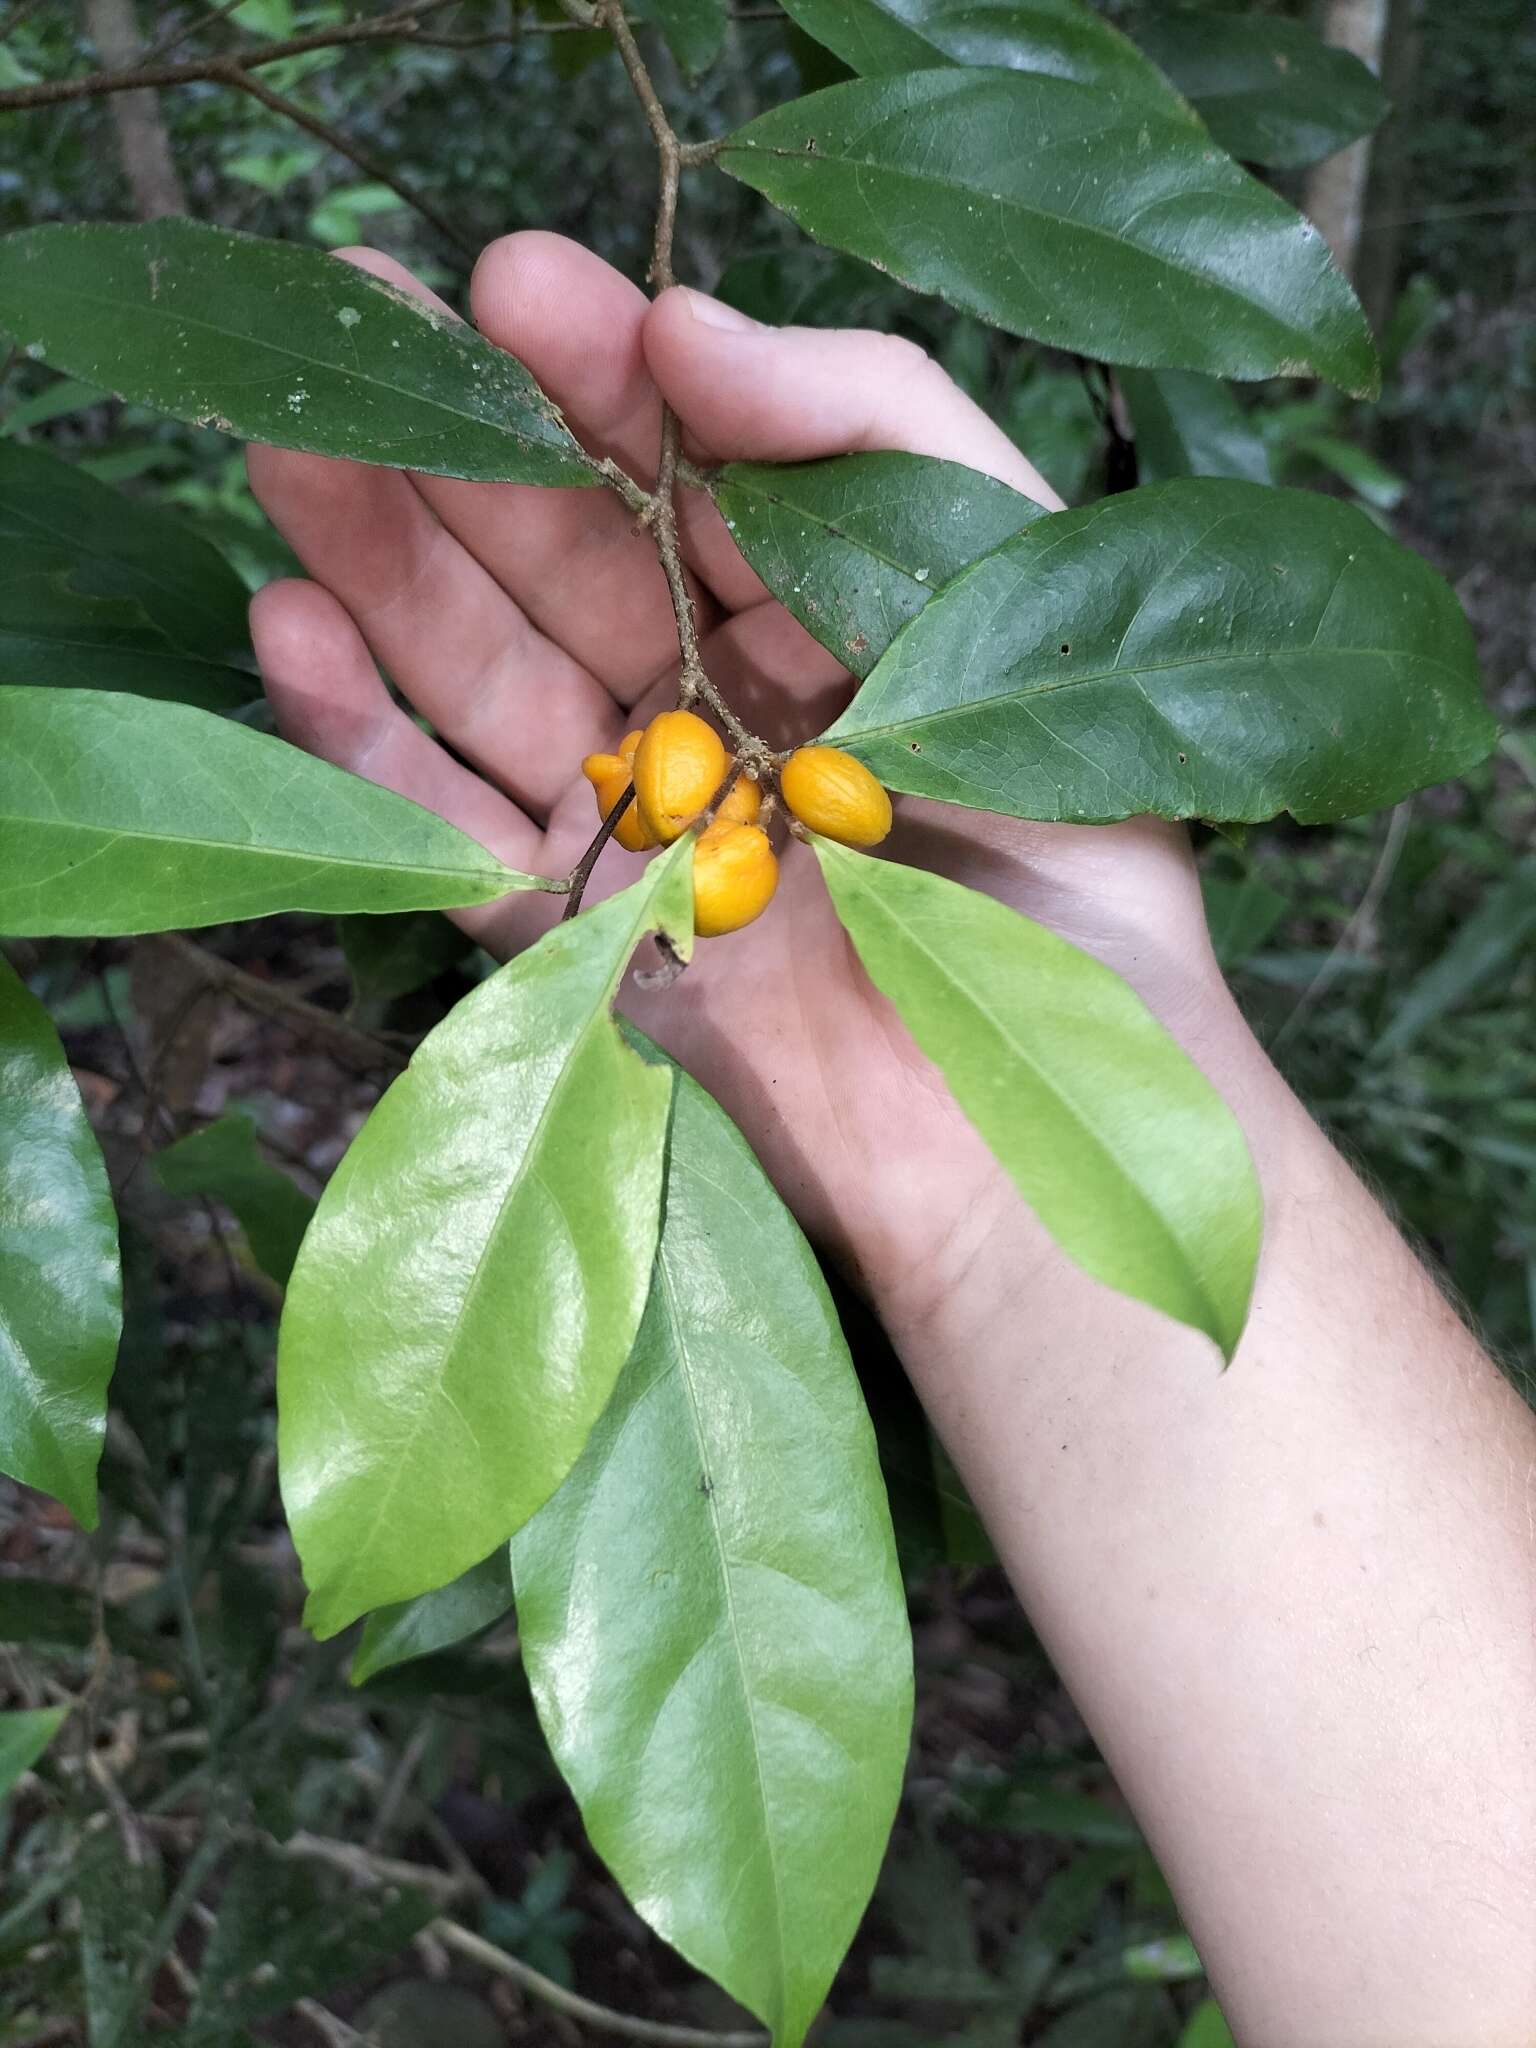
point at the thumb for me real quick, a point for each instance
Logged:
(789, 394)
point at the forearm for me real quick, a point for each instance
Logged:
(1294, 1601)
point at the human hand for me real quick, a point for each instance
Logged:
(532, 626)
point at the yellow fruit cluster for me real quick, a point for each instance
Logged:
(676, 764)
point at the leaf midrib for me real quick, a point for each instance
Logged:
(112, 833)
(558, 438)
(1118, 239)
(1129, 674)
(723, 1560)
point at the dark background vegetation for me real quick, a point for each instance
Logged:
(1389, 963)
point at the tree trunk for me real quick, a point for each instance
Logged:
(1336, 187)
(143, 146)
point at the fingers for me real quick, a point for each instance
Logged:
(748, 392)
(329, 698)
(572, 560)
(466, 656)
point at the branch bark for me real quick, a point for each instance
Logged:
(143, 146)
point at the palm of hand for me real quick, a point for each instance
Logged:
(531, 627)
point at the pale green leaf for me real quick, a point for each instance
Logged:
(280, 343)
(1203, 648)
(118, 814)
(1110, 1132)
(476, 1271)
(710, 1610)
(24, 1735)
(60, 1280)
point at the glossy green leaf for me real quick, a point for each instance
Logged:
(436, 1621)
(278, 342)
(694, 29)
(1197, 649)
(856, 546)
(1357, 467)
(24, 1735)
(1189, 425)
(476, 1271)
(52, 634)
(710, 1610)
(1110, 1132)
(1083, 218)
(61, 1300)
(122, 815)
(225, 1161)
(1267, 89)
(116, 547)
(1059, 38)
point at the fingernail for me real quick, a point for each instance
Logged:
(711, 313)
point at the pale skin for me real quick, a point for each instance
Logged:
(1295, 1602)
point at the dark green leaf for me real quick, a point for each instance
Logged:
(1189, 425)
(1058, 38)
(278, 342)
(1110, 1132)
(1132, 2018)
(281, 1936)
(24, 1735)
(120, 1891)
(122, 815)
(435, 1621)
(116, 547)
(694, 29)
(1057, 210)
(1498, 932)
(710, 1609)
(63, 395)
(1170, 1961)
(43, 1611)
(1266, 88)
(225, 1161)
(855, 547)
(1196, 649)
(395, 956)
(53, 635)
(61, 1301)
(476, 1271)
(803, 286)
(1241, 911)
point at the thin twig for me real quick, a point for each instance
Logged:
(347, 1042)
(603, 2017)
(175, 37)
(1360, 922)
(394, 27)
(661, 513)
(399, 1784)
(233, 72)
(581, 874)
